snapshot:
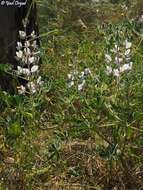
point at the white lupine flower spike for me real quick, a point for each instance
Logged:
(121, 61)
(28, 56)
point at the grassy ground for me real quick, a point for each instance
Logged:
(79, 137)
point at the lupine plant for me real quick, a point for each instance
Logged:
(119, 59)
(78, 78)
(28, 56)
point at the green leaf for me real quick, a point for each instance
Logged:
(5, 67)
(14, 130)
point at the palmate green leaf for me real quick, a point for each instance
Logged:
(54, 150)
(74, 171)
(5, 67)
(14, 130)
(14, 100)
(108, 152)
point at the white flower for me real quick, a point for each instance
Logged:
(26, 71)
(109, 70)
(70, 84)
(19, 54)
(108, 58)
(75, 72)
(87, 71)
(116, 73)
(22, 35)
(31, 59)
(128, 45)
(19, 46)
(33, 34)
(127, 52)
(39, 81)
(131, 64)
(126, 67)
(19, 69)
(27, 51)
(34, 68)
(24, 60)
(80, 86)
(32, 87)
(118, 60)
(34, 44)
(70, 76)
(21, 89)
(115, 49)
(81, 76)
(141, 19)
(27, 43)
